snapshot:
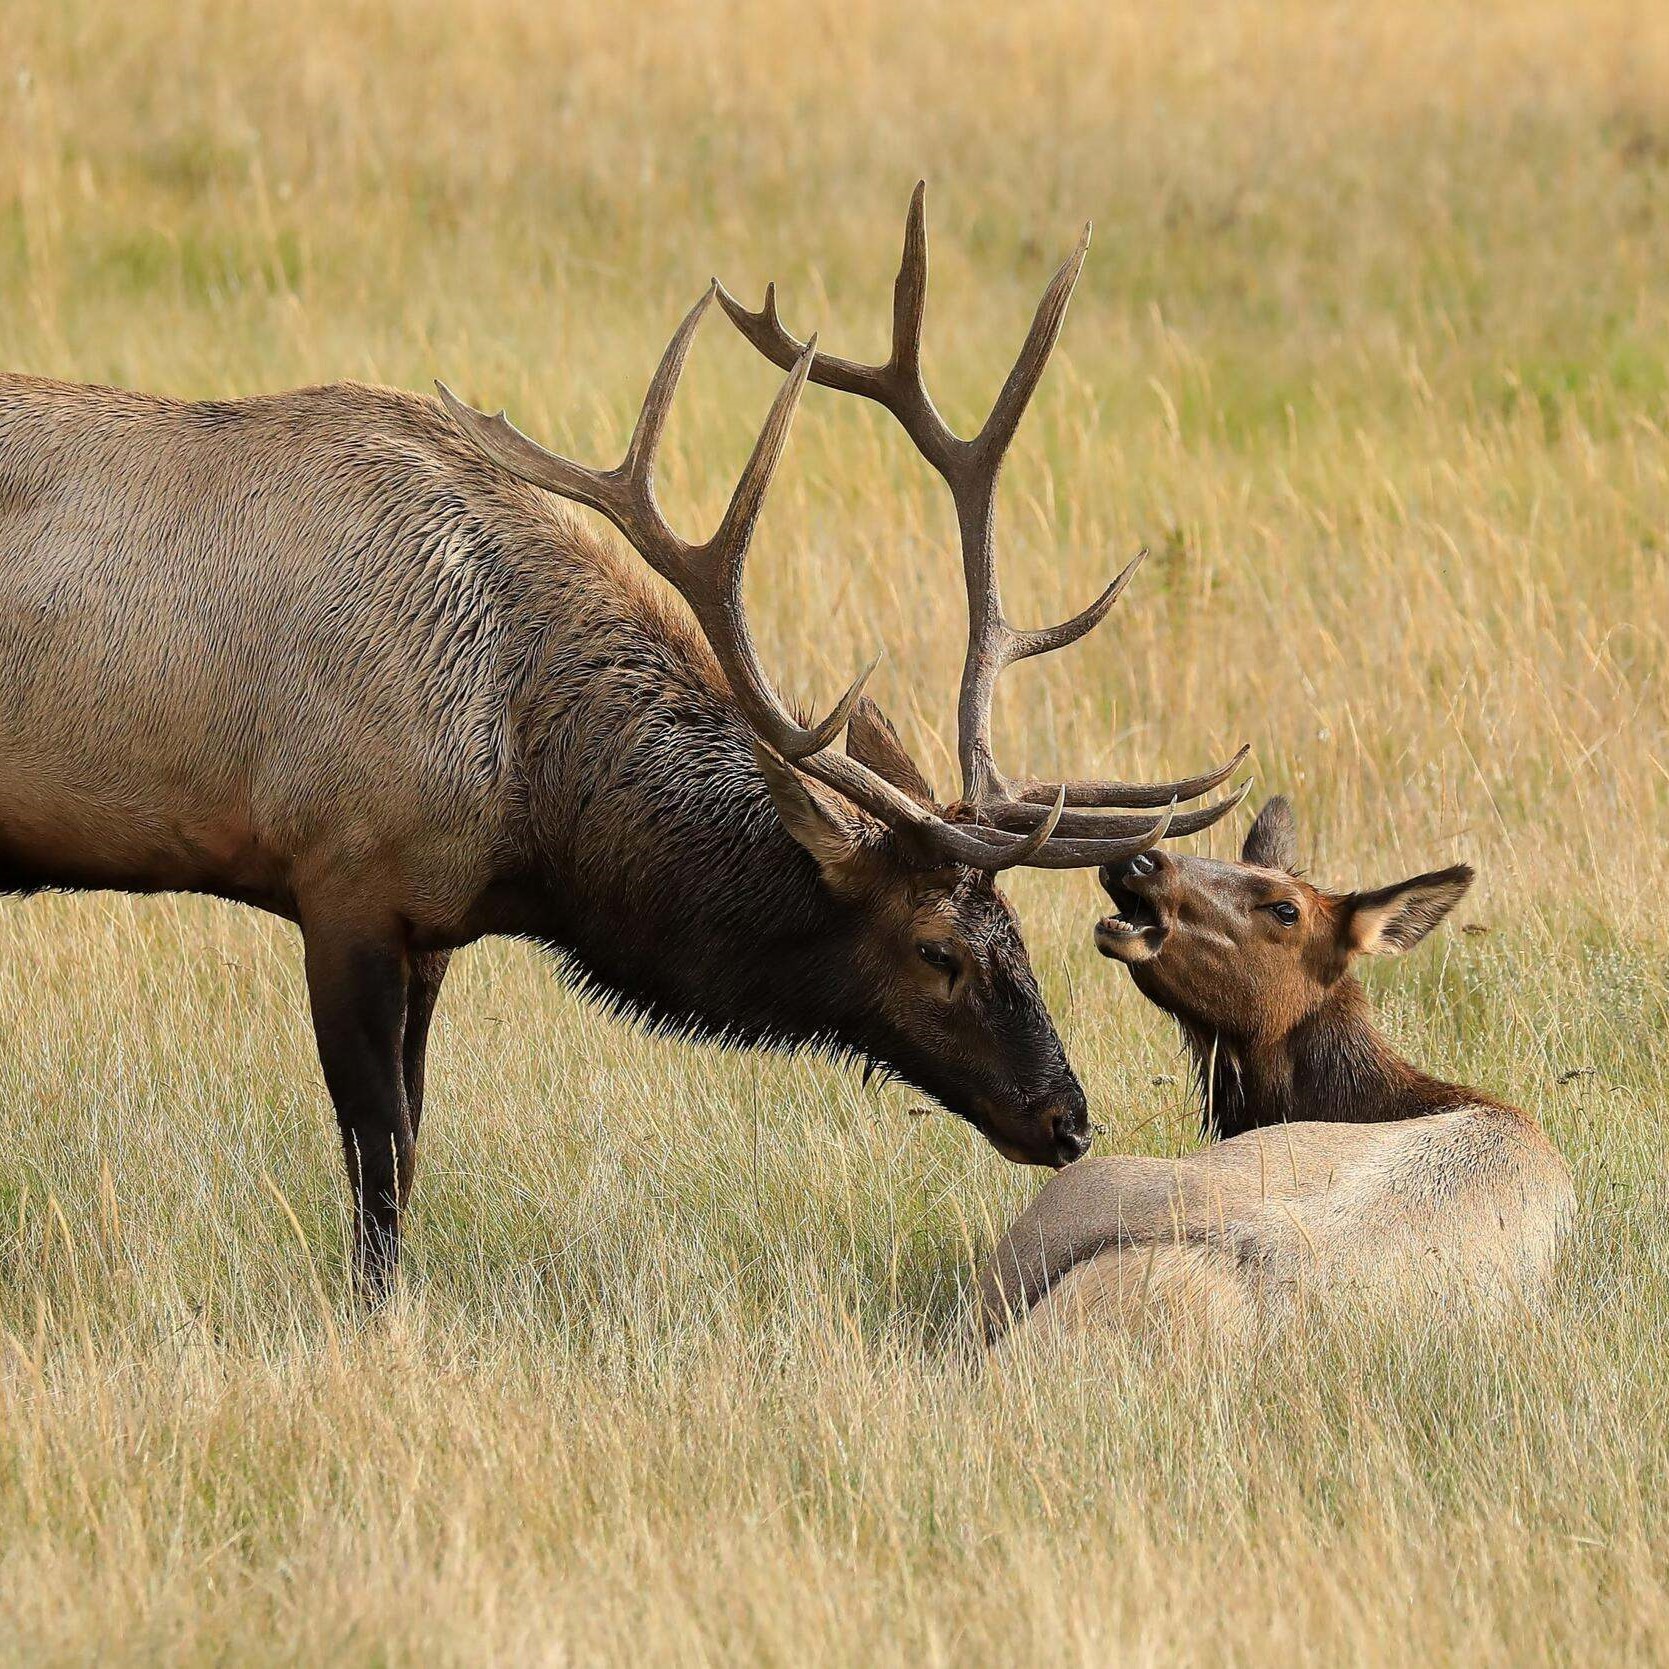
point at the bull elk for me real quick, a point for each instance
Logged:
(1349, 1174)
(336, 654)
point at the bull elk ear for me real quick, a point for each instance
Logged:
(1399, 917)
(1272, 840)
(873, 742)
(832, 831)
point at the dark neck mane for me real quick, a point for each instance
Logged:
(1335, 1066)
(649, 855)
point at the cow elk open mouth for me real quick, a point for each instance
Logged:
(1133, 932)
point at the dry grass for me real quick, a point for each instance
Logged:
(1371, 350)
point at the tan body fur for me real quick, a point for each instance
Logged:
(257, 647)
(1466, 1207)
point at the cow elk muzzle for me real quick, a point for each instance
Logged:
(1139, 923)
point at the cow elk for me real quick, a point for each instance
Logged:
(337, 654)
(1350, 1178)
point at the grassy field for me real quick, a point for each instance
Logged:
(1372, 350)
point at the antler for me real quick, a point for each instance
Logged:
(709, 577)
(970, 469)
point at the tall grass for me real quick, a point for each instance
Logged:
(1370, 351)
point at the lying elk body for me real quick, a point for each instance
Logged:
(1353, 1174)
(337, 654)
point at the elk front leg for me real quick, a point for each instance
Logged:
(358, 986)
(428, 969)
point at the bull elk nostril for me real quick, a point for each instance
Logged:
(1069, 1132)
(1144, 863)
(1071, 1145)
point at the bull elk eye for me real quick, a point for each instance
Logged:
(938, 958)
(1284, 911)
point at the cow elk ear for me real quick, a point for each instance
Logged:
(818, 818)
(873, 742)
(1397, 918)
(1272, 840)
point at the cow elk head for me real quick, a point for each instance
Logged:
(1244, 954)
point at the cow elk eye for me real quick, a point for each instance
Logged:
(936, 956)
(1284, 911)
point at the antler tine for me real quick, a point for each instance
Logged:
(909, 291)
(766, 331)
(969, 844)
(639, 463)
(985, 848)
(1022, 816)
(1090, 854)
(729, 544)
(897, 383)
(708, 576)
(1044, 640)
(1094, 792)
(1026, 851)
(626, 493)
(1040, 341)
(503, 444)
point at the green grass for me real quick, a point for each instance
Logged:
(1370, 351)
